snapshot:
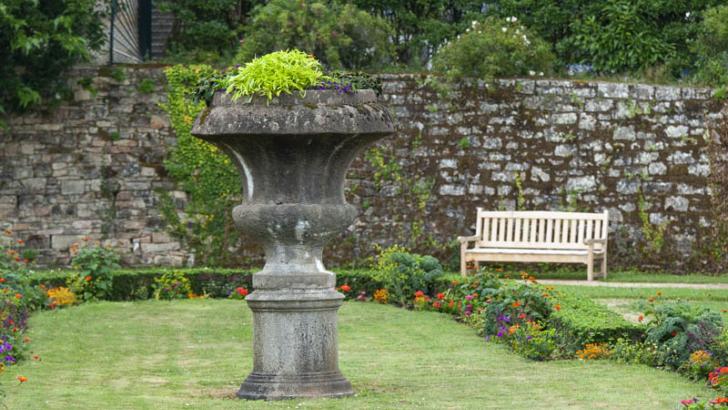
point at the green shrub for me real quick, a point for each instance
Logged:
(579, 321)
(403, 273)
(620, 38)
(614, 35)
(516, 304)
(271, 75)
(336, 33)
(494, 48)
(679, 329)
(711, 48)
(630, 352)
(204, 30)
(172, 285)
(422, 26)
(92, 279)
(39, 41)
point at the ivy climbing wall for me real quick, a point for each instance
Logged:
(654, 156)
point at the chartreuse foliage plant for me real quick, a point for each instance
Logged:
(280, 72)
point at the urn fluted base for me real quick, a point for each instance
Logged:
(303, 359)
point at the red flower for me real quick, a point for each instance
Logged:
(641, 318)
(674, 333)
(437, 305)
(419, 294)
(345, 288)
(22, 379)
(522, 316)
(36, 357)
(242, 291)
(2, 280)
(440, 296)
(88, 278)
(719, 400)
(516, 304)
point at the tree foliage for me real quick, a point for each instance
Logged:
(39, 41)
(420, 26)
(339, 35)
(614, 35)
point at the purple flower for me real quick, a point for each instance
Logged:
(500, 333)
(6, 347)
(10, 359)
(469, 298)
(529, 337)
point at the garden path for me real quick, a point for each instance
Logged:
(634, 284)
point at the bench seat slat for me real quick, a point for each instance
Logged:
(533, 251)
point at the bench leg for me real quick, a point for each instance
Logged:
(590, 267)
(463, 262)
(604, 265)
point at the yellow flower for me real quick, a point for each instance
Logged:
(62, 296)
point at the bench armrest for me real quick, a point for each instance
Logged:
(465, 239)
(593, 241)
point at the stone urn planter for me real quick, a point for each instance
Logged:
(293, 153)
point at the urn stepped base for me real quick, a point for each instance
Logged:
(276, 387)
(302, 360)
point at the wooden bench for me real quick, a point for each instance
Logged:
(537, 236)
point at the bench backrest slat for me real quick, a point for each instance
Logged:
(540, 229)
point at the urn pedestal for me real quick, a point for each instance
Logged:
(293, 153)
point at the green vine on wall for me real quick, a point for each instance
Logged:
(205, 174)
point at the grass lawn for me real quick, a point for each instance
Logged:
(195, 353)
(627, 300)
(578, 272)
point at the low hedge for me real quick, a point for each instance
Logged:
(136, 284)
(580, 321)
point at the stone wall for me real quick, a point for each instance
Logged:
(643, 152)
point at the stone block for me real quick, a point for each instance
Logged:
(159, 247)
(73, 187)
(63, 242)
(626, 133)
(677, 203)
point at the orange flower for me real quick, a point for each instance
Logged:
(345, 288)
(2, 280)
(88, 278)
(36, 357)
(8, 232)
(651, 299)
(557, 307)
(513, 329)
(516, 304)
(18, 296)
(22, 379)
(26, 339)
(21, 242)
(641, 318)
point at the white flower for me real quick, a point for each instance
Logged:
(541, 73)
(474, 24)
(511, 19)
(531, 72)
(504, 29)
(687, 15)
(525, 40)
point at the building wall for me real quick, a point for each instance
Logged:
(91, 167)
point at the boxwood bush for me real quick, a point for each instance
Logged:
(580, 321)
